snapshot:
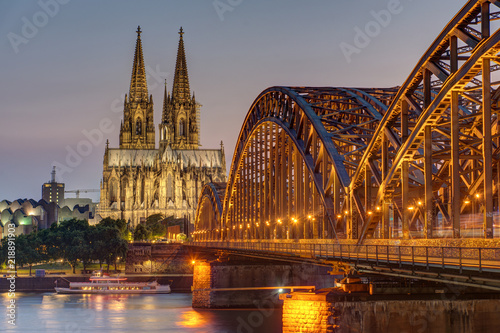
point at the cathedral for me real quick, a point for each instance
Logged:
(139, 179)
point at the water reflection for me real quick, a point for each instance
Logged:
(49, 312)
(192, 319)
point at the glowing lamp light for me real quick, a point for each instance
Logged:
(267, 223)
(467, 202)
(339, 216)
(346, 212)
(193, 262)
(477, 195)
(280, 290)
(309, 217)
(419, 203)
(411, 208)
(279, 221)
(369, 212)
(377, 208)
(248, 225)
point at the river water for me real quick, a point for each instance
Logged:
(50, 312)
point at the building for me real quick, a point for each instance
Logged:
(29, 215)
(139, 179)
(53, 191)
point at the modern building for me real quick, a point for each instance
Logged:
(53, 191)
(29, 215)
(139, 179)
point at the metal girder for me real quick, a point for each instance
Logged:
(322, 126)
(207, 224)
(433, 112)
(351, 157)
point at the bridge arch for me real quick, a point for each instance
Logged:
(435, 182)
(208, 212)
(296, 152)
(417, 161)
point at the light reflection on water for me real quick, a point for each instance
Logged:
(50, 312)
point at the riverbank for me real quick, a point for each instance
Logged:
(180, 283)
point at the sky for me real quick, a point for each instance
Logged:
(66, 66)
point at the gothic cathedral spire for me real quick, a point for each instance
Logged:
(180, 121)
(137, 130)
(180, 89)
(138, 85)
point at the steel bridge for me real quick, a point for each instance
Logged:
(414, 165)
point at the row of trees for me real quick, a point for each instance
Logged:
(154, 227)
(72, 240)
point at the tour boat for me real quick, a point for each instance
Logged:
(103, 284)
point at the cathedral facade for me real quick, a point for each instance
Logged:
(138, 178)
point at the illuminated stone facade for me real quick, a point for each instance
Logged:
(139, 180)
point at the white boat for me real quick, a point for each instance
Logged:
(103, 284)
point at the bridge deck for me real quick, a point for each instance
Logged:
(469, 266)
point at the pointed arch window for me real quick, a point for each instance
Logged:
(182, 127)
(113, 191)
(170, 187)
(138, 127)
(123, 189)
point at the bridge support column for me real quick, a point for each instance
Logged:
(407, 206)
(251, 283)
(352, 219)
(330, 311)
(487, 155)
(429, 202)
(386, 206)
(455, 166)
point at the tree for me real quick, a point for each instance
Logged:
(4, 249)
(117, 248)
(70, 238)
(119, 224)
(49, 248)
(86, 250)
(155, 224)
(32, 249)
(142, 233)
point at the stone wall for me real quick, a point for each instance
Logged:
(154, 258)
(202, 280)
(310, 313)
(327, 312)
(210, 276)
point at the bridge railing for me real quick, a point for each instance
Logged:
(462, 258)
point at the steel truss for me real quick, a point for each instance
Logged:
(418, 161)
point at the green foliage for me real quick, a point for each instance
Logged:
(155, 218)
(74, 241)
(142, 233)
(119, 224)
(154, 227)
(3, 251)
(155, 224)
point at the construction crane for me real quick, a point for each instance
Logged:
(77, 192)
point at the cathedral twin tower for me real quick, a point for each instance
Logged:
(140, 180)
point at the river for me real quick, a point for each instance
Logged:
(50, 312)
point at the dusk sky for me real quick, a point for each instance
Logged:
(65, 69)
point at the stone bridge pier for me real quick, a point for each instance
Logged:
(234, 282)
